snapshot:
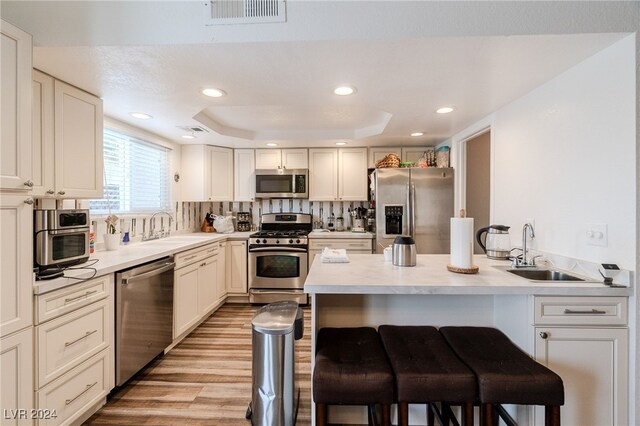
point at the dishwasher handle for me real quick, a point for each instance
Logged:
(155, 272)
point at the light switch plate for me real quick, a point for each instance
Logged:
(597, 235)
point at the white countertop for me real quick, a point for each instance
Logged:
(370, 274)
(340, 235)
(133, 254)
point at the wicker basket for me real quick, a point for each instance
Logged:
(389, 161)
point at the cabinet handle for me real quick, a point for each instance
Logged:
(87, 334)
(29, 201)
(51, 192)
(544, 334)
(61, 192)
(69, 401)
(585, 312)
(29, 183)
(190, 257)
(86, 294)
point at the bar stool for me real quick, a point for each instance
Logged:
(352, 369)
(506, 375)
(428, 371)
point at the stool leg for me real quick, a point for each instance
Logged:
(487, 415)
(403, 413)
(430, 416)
(467, 414)
(446, 413)
(552, 415)
(321, 414)
(386, 415)
(371, 415)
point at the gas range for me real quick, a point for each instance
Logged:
(282, 229)
(282, 238)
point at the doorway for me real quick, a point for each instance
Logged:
(477, 181)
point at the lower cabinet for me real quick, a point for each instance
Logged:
(351, 245)
(237, 268)
(591, 359)
(221, 282)
(74, 351)
(16, 386)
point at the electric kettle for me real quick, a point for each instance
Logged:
(496, 244)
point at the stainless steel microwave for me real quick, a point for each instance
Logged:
(282, 183)
(61, 237)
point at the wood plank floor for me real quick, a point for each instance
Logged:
(205, 380)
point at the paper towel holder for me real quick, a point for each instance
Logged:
(473, 269)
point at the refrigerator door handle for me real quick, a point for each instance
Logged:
(408, 212)
(413, 209)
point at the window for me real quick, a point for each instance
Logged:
(136, 176)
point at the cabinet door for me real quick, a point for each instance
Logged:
(194, 184)
(16, 368)
(78, 142)
(352, 177)
(15, 95)
(593, 364)
(16, 257)
(244, 175)
(221, 283)
(379, 152)
(237, 261)
(221, 178)
(42, 135)
(208, 284)
(295, 158)
(268, 158)
(185, 299)
(323, 174)
(413, 153)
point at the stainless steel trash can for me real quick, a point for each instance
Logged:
(275, 327)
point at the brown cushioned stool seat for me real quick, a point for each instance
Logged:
(427, 370)
(506, 374)
(351, 369)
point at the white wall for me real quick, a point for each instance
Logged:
(564, 155)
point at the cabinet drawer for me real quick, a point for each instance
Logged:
(319, 244)
(194, 255)
(70, 339)
(65, 300)
(75, 392)
(580, 310)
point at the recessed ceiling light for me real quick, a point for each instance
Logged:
(444, 110)
(188, 136)
(272, 144)
(344, 90)
(414, 134)
(140, 115)
(213, 93)
(341, 143)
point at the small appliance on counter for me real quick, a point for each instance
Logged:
(404, 251)
(243, 223)
(496, 244)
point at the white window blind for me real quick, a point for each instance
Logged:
(136, 176)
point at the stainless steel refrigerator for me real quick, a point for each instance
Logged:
(416, 202)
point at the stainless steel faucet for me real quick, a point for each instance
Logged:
(525, 261)
(153, 235)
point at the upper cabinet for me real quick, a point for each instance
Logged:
(407, 153)
(67, 140)
(338, 174)
(15, 89)
(244, 176)
(207, 173)
(277, 158)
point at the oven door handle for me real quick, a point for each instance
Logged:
(68, 231)
(278, 249)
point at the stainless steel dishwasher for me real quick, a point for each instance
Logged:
(144, 315)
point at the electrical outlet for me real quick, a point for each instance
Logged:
(597, 235)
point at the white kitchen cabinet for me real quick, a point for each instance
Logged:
(323, 174)
(186, 312)
(351, 245)
(16, 261)
(208, 274)
(207, 173)
(294, 158)
(591, 360)
(221, 282)
(16, 370)
(338, 174)
(237, 267)
(379, 152)
(15, 95)
(43, 163)
(244, 175)
(413, 153)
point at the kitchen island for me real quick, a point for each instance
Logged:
(370, 292)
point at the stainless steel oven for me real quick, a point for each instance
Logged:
(282, 183)
(278, 258)
(61, 237)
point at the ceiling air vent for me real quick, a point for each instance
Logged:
(194, 129)
(221, 12)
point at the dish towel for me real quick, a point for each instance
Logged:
(334, 255)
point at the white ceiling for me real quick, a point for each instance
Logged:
(405, 58)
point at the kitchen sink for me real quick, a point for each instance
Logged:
(544, 275)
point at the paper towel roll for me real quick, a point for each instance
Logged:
(462, 242)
